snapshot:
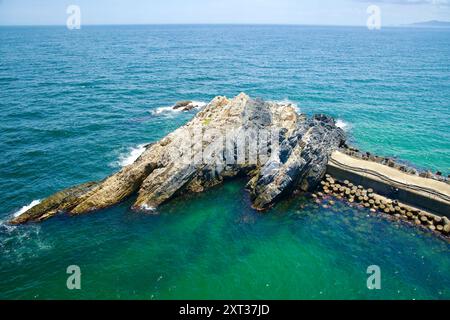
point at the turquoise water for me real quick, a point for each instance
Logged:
(74, 104)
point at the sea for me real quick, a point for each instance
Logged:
(77, 105)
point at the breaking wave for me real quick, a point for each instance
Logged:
(27, 207)
(342, 124)
(130, 156)
(170, 109)
(147, 208)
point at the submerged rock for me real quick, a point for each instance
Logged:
(277, 149)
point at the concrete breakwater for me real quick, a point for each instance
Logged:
(428, 194)
(366, 198)
(393, 163)
(420, 201)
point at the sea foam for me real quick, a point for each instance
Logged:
(170, 110)
(342, 124)
(21, 243)
(7, 228)
(131, 156)
(26, 208)
(147, 208)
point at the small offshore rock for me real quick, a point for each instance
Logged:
(182, 104)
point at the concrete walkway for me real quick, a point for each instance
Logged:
(429, 194)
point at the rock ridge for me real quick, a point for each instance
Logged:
(278, 149)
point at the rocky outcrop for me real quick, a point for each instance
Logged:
(186, 105)
(300, 164)
(62, 200)
(182, 104)
(277, 148)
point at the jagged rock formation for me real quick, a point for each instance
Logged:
(277, 148)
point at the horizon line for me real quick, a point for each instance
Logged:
(206, 24)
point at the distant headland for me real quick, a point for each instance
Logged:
(431, 23)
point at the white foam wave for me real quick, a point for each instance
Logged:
(131, 156)
(27, 207)
(342, 124)
(199, 104)
(147, 208)
(171, 110)
(8, 228)
(162, 110)
(20, 243)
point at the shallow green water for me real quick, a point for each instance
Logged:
(214, 246)
(74, 104)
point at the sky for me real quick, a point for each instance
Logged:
(309, 12)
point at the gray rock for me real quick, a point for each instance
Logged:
(301, 165)
(228, 137)
(182, 104)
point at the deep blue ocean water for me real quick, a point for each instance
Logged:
(75, 104)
